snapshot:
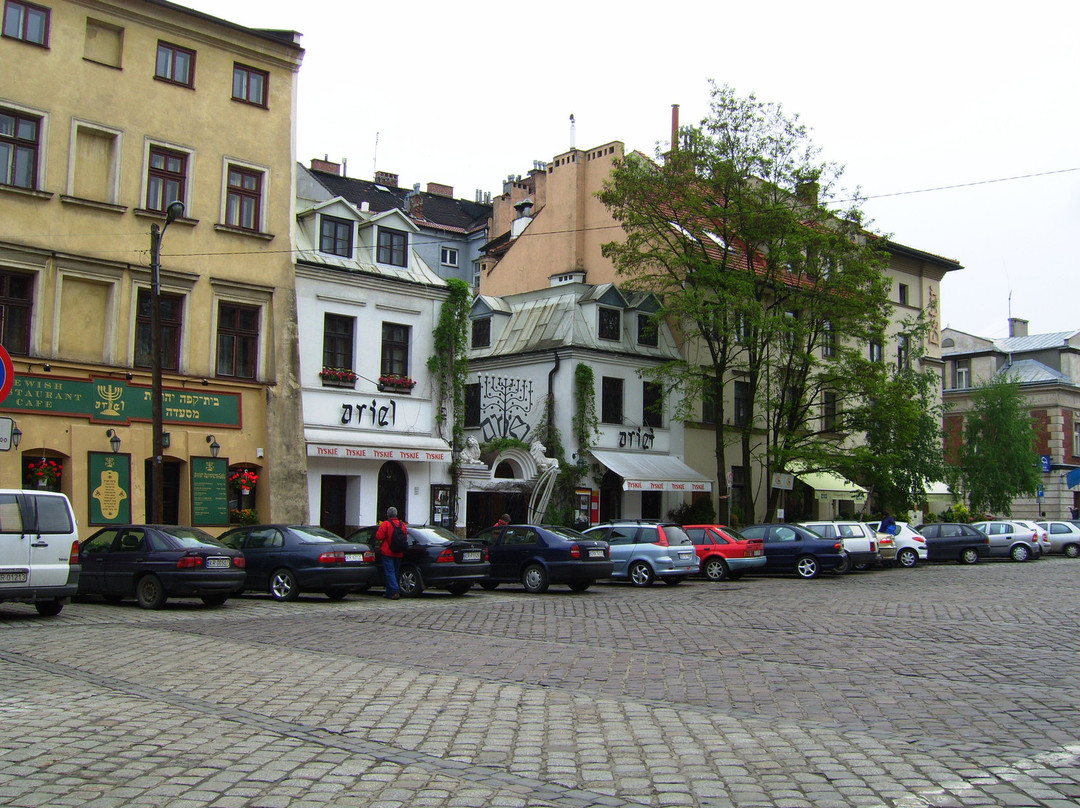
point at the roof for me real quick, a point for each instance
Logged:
(1031, 371)
(1034, 342)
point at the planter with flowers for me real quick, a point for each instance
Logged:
(244, 516)
(43, 473)
(243, 481)
(338, 377)
(391, 382)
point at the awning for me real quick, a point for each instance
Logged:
(406, 448)
(832, 485)
(648, 472)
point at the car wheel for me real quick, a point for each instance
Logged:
(535, 579)
(459, 587)
(716, 569)
(283, 585)
(907, 558)
(969, 556)
(150, 593)
(1020, 552)
(860, 567)
(640, 574)
(410, 582)
(1072, 550)
(673, 580)
(490, 586)
(48, 608)
(112, 597)
(843, 568)
(336, 594)
(215, 600)
(579, 586)
(807, 567)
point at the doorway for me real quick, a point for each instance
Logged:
(332, 503)
(393, 491)
(170, 491)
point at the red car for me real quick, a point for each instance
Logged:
(723, 553)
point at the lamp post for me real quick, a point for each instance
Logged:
(114, 440)
(173, 212)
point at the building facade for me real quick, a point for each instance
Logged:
(109, 111)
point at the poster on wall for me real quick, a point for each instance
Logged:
(109, 489)
(209, 491)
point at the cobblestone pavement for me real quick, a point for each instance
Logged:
(940, 686)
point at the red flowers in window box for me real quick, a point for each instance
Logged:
(398, 382)
(342, 375)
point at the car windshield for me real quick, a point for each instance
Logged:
(676, 535)
(567, 533)
(734, 535)
(432, 535)
(312, 534)
(191, 537)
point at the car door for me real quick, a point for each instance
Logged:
(621, 540)
(262, 555)
(50, 527)
(129, 559)
(93, 556)
(782, 547)
(513, 545)
(1000, 535)
(14, 545)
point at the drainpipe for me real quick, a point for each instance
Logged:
(551, 396)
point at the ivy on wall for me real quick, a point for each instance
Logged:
(449, 364)
(586, 424)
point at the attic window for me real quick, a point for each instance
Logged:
(392, 246)
(481, 332)
(717, 239)
(646, 331)
(335, 236)
(610, 323)
(682, 230)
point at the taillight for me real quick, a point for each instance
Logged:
(661, 539)
(487, 554)
(445, 557)
(239, 561)
(333, 557)
(575, 552)
(918, 539)
(369, 557)
(873, 547)
(189, 562)
(838, 546)
(73, 556)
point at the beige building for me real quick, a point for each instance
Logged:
(110, 110)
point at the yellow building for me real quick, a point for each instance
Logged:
(110, 110)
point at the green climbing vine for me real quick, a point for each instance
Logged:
(586, 424)
(449, 364)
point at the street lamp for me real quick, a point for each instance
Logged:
(16, 437)
(173, 212)
(215, 447)
(114, 440)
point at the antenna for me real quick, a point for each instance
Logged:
(375, 157)
(573, 139)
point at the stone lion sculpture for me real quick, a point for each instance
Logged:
(471, 452)
(543, 462)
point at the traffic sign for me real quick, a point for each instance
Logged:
(1044, 463)
(8, 373)
(7, 425)
(1040, 491)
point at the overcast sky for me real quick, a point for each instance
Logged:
(909, 97)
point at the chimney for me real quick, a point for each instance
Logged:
(1018, 327)
(438, 189)
(326, 165)
(414, 202)
(386, 178)
(674, 127)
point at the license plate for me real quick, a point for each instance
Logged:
(596, 553)
(13, 577)
(217, 563)
(354, 556)
(471, 555)
(685, 555)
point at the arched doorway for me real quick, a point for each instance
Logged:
(610, 496)
(393, 490)
(170, 491)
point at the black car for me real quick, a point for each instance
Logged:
(955, 541)
(537, 556)
(434, 559)
(791, 548)
(157, 562)
(286, 560)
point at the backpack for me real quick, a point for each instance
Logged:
(399, 541)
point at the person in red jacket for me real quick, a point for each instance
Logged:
(391, 561)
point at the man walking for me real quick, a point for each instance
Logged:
(391, 558)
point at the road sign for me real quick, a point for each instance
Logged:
(6, 425)
(730, 478)
(785, 482)
(8, 371)
(1044, 463)
(1040, 491)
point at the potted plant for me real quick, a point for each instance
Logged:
(392, 381)
(243, 480)
(244, 516)
(337, 377)
(44, 473)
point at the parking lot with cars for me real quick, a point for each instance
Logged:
(943, 685)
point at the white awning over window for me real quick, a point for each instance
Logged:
(407, 448)
(648, 472)
(825, 482)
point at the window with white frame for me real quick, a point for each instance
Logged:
(448, 257)
(244, 197)
(962, 374)
(1076, 435)
(20, 147)
(166, 177)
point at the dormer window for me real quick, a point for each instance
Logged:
(481, 332)
(335, 236)
(610, 323)
(647, 333)
(392, 247)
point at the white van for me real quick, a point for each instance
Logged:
(39, 549)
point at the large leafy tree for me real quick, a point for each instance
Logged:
(737, 233)
(997, 460)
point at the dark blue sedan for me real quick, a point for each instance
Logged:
(286, 560)
(435, 559)
(157, 562)
(537, 556)
(791, 548)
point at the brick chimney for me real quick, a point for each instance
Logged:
(1018, 327)
(386, 178)
(415, 203)
(438, 189)
(326, 165)
(674, 127)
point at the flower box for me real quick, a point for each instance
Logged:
(338, 377)
(396, 384)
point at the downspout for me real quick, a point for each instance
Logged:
(551, 397)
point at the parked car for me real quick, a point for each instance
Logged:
(724, 554)
(435, 559)
(537, 556)
(155, 562)
(793, 548)
(1041, 534)
(910, 544)
(286, 560)
(1009, 539)
(955, 541)
(860, 542)
(39, 550)
(1064, 537)
(643, 551)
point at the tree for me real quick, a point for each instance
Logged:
(997, 460)
(735, 231)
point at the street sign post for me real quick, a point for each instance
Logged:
(7, 373)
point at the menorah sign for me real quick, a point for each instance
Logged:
(111, 394)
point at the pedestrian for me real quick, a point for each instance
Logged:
(391, 559)
(888, 524)
(503, 520)
(1075, 511)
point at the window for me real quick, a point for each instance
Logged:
(903, 352)
(652, 404)
(172, 312)
(338, 341)
(647, 332)
(19, 142)
(243, 199)
(448, 257)
(610, 323)
(395, 350)
(962, 374)
(481, 332)
(16, 303)
(476, 273)
(1076, 433)
(175, 64)
(708, 404)
(166, 179)
(738, 477)
(742, 404)
(876, 352)
(237, 341)
(828, 340)
(249, 85)
(611, 395)
(27, 22)
(828, 411)
(392, 245)
(472, 404)
(335, 236)
(902, 294)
